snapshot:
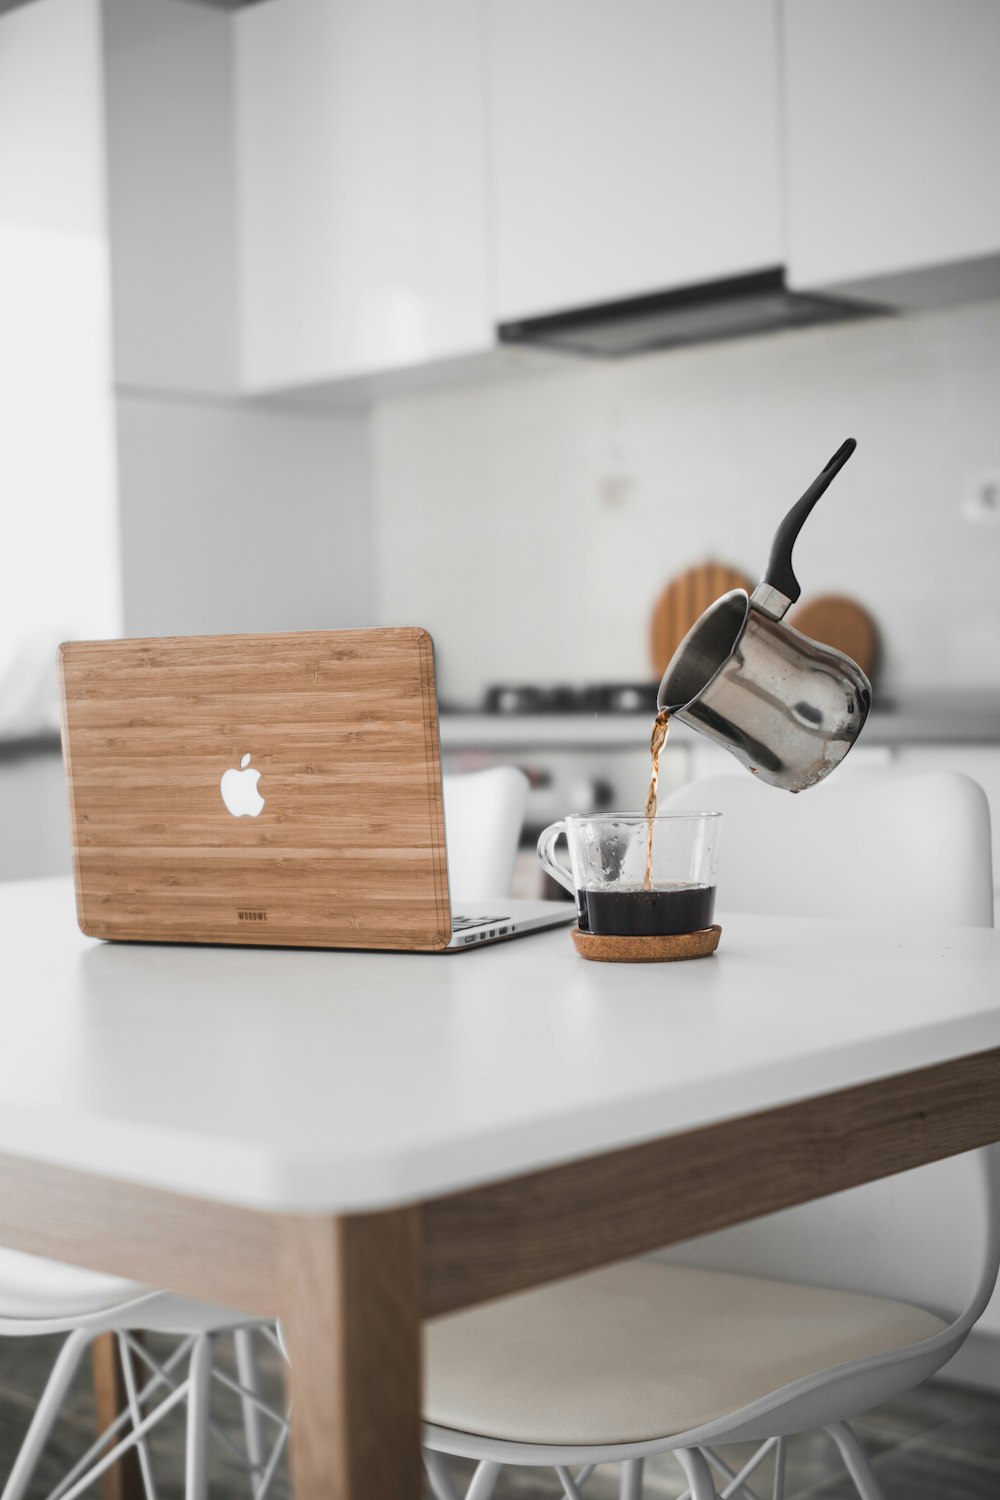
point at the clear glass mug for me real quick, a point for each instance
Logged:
(608, 860)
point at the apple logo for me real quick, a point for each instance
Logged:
(239, 790)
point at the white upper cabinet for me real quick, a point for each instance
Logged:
(362, 187)
(411, 173)
(893, 143)
(634, 147)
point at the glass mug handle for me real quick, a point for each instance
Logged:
(546, 843)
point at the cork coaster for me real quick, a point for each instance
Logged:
(646, 950)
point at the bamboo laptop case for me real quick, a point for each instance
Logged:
(279, 789)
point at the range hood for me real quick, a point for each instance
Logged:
(733, 308)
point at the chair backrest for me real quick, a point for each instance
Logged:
(930, 1237)
(891, 847)
(885, 847)
(483, 813)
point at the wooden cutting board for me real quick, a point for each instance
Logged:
(837, 621)
(682, 601)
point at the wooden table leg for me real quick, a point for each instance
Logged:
(351, 1315)
(123, 1481)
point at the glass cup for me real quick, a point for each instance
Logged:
(609, 856)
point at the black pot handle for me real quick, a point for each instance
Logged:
(778, 572)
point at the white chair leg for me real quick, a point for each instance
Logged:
(855, 1461)
(778, 1492)
(570, 1490)
(199, 1389)
(248, 1376)
(46, 1412)
(697, 1472)
(734, 1481)
(437, 1473)
(630, 1480)
(484, 1481)
(132, 1391)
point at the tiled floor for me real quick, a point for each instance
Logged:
(940, 1442)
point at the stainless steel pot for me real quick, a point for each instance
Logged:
(786, 706)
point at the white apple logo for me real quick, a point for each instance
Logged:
(239, 790)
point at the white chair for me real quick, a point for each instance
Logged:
(836, 1307)
(650, 1357)
(882, 846)
(483, 813)
(39, 1296)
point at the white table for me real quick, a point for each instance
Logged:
(354, 1141)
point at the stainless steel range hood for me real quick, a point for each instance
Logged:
(734, 308)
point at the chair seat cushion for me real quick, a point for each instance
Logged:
(33, 1287)
(644, 1350)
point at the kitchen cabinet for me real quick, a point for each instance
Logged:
(413, 173)
(168, 105)
(634, 148)
(33, 810)
(892, 121)
(362, 198)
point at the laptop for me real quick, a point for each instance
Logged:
(267, 789)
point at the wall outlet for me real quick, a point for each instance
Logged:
(981, 501)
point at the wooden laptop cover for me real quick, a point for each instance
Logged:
(348, 850)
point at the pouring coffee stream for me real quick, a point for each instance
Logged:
(661, 726)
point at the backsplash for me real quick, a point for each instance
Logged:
(531, 523)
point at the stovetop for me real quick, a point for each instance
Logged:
(513, 699)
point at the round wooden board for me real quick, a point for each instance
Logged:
(685, 598)
(646, 950)
(834, 620)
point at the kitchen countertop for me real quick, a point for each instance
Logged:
(943, 719)
(946, 718)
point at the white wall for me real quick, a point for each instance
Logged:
(530, 526)
(51, 122)
(58, 511)
(242, 519)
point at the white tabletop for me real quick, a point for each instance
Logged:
(343, 1081)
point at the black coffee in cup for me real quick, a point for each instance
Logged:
(633, 911)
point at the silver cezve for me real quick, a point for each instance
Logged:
(786, 706)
